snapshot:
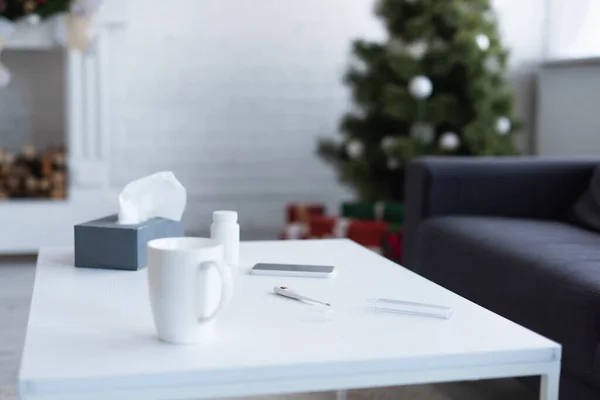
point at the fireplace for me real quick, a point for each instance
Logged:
(54, 181)
(33, 175)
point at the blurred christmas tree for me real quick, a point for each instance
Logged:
(437, 86)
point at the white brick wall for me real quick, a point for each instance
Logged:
(229, 94)
(523, 31)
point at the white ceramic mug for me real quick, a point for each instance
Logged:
(189, 284)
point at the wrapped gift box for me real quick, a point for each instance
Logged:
(383, 237)
(302, 212)
(382, 234)
(382, 211)
(321, 226)
(392, 245)
(367, 233)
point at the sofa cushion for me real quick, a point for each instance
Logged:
(544, 275)
(586, 210)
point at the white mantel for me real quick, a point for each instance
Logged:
(111, 15)
(30, 224)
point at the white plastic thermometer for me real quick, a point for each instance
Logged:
(286, 292)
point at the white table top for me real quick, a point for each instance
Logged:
(91, 334)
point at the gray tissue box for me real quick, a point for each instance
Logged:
(103, 243)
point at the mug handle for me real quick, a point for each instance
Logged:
(226, 285)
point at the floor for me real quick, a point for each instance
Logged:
(16, 284)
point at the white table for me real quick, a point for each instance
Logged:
(91, 336)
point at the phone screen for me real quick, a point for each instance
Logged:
(323, 269)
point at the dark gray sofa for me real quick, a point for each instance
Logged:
(493, 230)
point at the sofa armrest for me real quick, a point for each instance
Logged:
(526, 187)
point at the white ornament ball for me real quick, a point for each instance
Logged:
(503, 126)
(358, 65)
(483, 42)
(491, 64)
(423, 132)
(33, 19)
(4, 76)
(396, 46)
(420, 87)
(489, 16)
(449, 141)
(358, 111)
(438, 44)
(392, 163)
(355, 149)
(418, 49)
(387, 143)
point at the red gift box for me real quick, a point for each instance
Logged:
(320, 226)
(367, 233)
(392, 245)
(383, 237)
(302, 212)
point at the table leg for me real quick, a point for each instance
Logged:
(343, 395)
(549, 384)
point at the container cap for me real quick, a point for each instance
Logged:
(225, 216)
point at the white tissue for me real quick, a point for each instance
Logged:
(156, 195)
